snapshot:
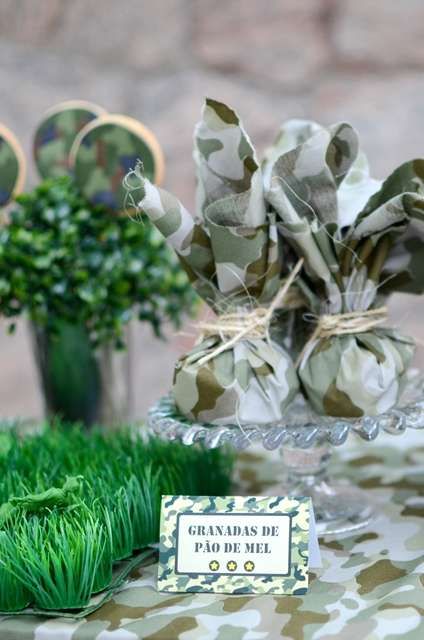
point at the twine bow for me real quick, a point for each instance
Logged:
(340, 324)
(239, 325)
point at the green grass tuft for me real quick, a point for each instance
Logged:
(13, 594)
(61, 552)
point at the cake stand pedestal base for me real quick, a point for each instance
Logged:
(339, 506)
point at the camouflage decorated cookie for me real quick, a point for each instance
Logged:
(56, 133)
(12, 166)
(106, 150)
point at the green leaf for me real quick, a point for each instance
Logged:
(62, 258)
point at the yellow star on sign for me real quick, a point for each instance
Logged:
(249, 565)
(214, 565)
(231, 565)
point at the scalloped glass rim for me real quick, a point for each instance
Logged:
(301, 427)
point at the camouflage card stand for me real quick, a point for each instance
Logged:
(234, 544)
(106, 150)
(12, 166)
(56, 133)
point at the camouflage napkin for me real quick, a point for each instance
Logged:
(393, 219)
(232, 255)
(318, 189)
(289, 327)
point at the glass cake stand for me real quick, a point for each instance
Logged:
(305, 441)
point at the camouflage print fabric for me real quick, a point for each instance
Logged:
(355, 375)
(355, 189)
(255, 380)
(231, 253)
(393, 220)
(11, 166)
(291, 134)
(226, 165)
(313, 189)
(289, 327)
(104, 153)
(370, 585)
(56, 133)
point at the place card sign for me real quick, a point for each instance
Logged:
(236, 544)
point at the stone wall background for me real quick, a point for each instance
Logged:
(358, 60)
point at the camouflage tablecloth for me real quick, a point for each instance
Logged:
(371, 585)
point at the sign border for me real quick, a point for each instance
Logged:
(233, 573)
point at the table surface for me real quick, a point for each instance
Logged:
(371, 584)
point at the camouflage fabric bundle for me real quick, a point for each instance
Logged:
(394, 218)
(232, 255)
(356, 238)
(289, 327)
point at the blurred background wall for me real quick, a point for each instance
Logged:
(357, 60)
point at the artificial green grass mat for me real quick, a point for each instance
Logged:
(74, 503)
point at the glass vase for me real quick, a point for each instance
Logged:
(79, 383)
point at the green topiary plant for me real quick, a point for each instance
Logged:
(62, 259)
(73, 262)
(80, 273)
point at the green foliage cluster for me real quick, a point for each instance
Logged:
(56, 557)
(63, 259)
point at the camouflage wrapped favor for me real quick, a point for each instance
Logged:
(356, 237)
(232, 255)
(393, 218)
